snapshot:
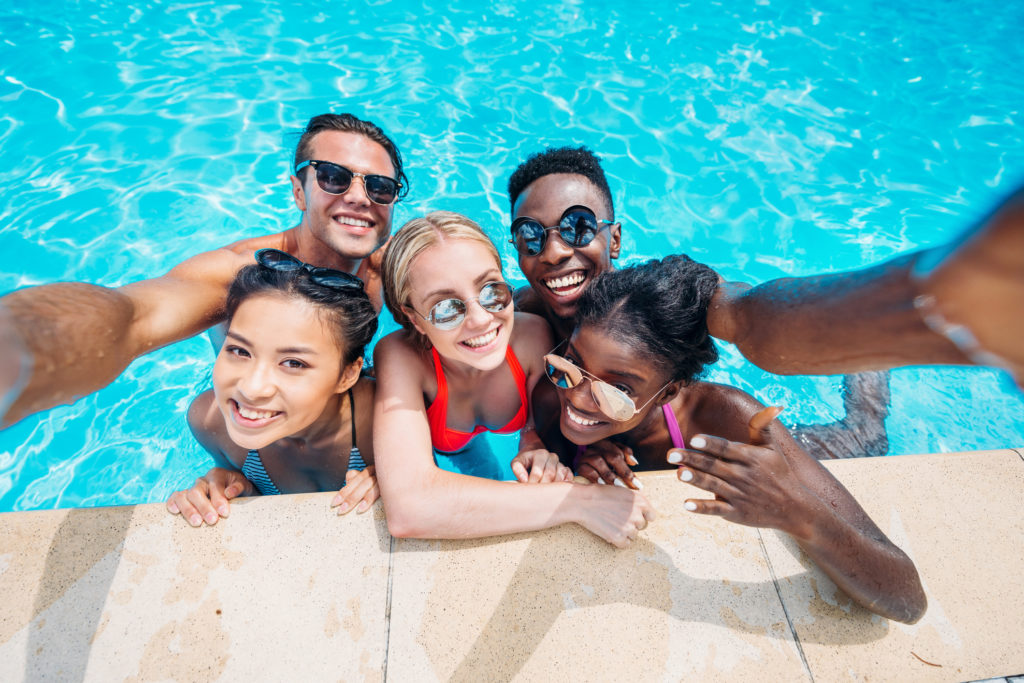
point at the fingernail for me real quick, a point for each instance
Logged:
(633, 462)
(343, 508)
(637, 483)
(685, 475)
(223, 510)
(211, 518)
(619, 482)
(195, 520)
(690, 506)
(337, 499)
(363, 506)
(698, 442)
(675, 457)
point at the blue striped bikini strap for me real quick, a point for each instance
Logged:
(355, 458)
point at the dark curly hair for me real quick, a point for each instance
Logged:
(347, 123)
(575, 160)
(348, 313)
(658, 308)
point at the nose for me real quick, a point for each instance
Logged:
(476, 315)
(555, 250)
(356, 192)
(583, 396)
(257, 383)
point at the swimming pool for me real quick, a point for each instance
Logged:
(765, 140)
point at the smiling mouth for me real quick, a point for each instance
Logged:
(566, 285)
(578, 419)
(251, 417)
(481, 340)
(353, 222)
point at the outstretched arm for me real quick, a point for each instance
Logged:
(80, 337)
(901, 312)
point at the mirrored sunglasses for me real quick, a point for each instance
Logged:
(577, 228)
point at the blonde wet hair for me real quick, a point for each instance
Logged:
(412, 239)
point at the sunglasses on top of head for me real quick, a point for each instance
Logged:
(613, 402)
(577, 227)
(448, 314)
(275, 259)
(336, 179)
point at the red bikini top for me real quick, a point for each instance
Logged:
(452, 440)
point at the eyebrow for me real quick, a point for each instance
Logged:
(626, 374)
(484, 278)
(287, 350)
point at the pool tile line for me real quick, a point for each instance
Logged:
(785, 608)
(387, 607)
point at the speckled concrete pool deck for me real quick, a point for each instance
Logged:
(286, 590)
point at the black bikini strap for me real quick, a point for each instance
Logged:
(352, 410)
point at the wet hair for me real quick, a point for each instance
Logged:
(410, 241)
(575, 160)
(348, 314)
(347, 123)
(658, 308)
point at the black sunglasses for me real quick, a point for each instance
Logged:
(336, 179)
(275, 259)
(577, 227)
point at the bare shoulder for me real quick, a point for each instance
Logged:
(207, 425)
(527, 301)
(531, 336)
(398, 356)
(722, 410)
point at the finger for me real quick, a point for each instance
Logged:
(759, 425)
(697, 460)
(218, 499)
(719, 508)
(589, 473)
(628, 453)
(355, 493)
(188, 511)
(369, 498)
(550, 470)
(519, 470)
(537, 471)
(710, 483)
(621, 469)
(604, 472)
(199, 496)
(722, 449)
(343, 494)
(565, 474)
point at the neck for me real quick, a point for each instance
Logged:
(325, 428)
(562, 327)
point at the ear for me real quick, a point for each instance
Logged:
(614, 239)
(349, 376)
(415, 320)
(297, 193)
(671, 391)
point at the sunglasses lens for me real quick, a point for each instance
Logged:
(559, 377)
(448, 314)
(578, 228)
(529, 236)
(333, 179)
(335, 279)
(612, 402)
(495, 296)
(381, 189)
(277, 260)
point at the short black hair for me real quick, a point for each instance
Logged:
(575, 160)
(347, 123)
(349, 314)
(658, 308)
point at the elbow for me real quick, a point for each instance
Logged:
(404, 521)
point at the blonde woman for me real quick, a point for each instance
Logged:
(465, 363)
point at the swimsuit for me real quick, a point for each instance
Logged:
(253, 470)
(452, 440)
(673, 429)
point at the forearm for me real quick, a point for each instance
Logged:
(871, 570)
(831, 324)
(77, 342)
(447, 505)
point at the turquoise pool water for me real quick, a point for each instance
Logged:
(766, 140)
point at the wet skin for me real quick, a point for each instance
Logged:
(546, 199)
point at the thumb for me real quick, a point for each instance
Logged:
(760, 425)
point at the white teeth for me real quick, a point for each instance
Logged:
(482, 340)
(566, 280)
(357, 222)
(250, 414)
(579, 419)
